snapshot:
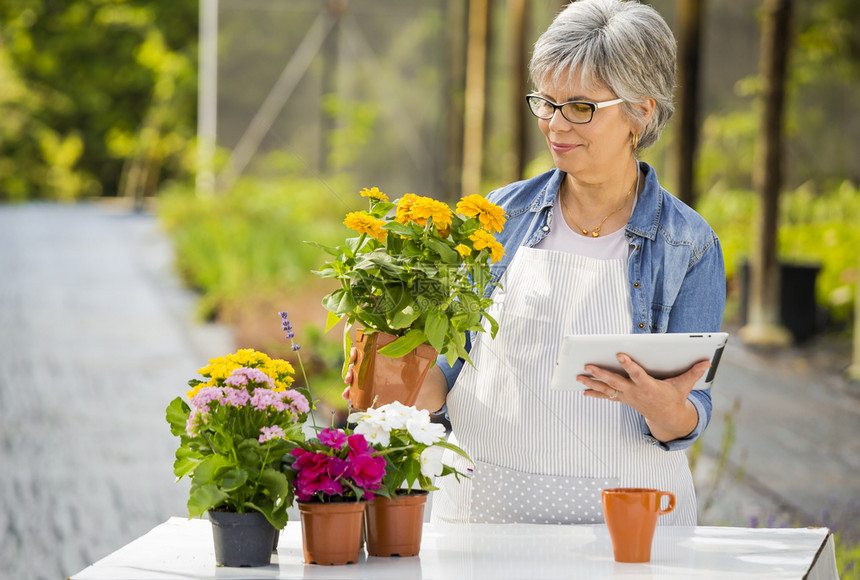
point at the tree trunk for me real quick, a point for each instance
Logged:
(764, 327)
(854, 370)
(456, 80)
(476, 82)
(689, 43)
(518, 23)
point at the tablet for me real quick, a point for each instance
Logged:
(661, 355)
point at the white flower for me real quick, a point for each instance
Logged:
(397, 414)
(431, 462)
(375, 432)
(422, 430)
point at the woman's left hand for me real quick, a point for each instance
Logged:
(663, 403)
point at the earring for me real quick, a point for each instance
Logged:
(635, 140)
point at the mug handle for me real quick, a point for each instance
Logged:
(671, 505)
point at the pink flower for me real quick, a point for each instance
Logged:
(263, 398)
(273, 432)
(243, 375)
(333, 438)
(299, 402)
(317, 472)
(235, 397)
(205, 396)
(368, 471)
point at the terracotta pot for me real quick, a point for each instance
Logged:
(241, 539)
(331, 532)
(393, 526)
(382, 379)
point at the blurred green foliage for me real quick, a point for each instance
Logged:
(813, 228)
(250, 240)
(86, 86)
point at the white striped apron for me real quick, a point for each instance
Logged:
(542, 456)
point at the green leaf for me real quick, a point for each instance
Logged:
(340, 302)
(404, 318)
(453, 448)
(332, 250)
(233, 479)
(401, 229)
(448, 254)
(177, 415)
(186, 462)
(436, 327)
(205, 497)
(331, 320)
(405, 344)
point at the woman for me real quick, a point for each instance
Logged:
(595, 246)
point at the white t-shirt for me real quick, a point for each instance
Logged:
(563, 239)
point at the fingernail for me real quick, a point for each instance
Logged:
(622, 358)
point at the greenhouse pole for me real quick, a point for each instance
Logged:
(207, 98)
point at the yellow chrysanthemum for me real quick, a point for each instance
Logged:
(486, 240)
(364, 223)
(374, 194)
(491, 216)
(419, 209)
(463, 250)
(220, 368)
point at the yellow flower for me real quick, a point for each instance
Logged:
(364, 223)
(419, 209)
(374, 194)
(220, 368)
(463, 250)
(491, 216)
(486, 240)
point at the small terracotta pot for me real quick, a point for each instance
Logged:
(331, 532)
(393, 526)
(382, 379)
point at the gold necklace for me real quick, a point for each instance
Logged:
(596, 231)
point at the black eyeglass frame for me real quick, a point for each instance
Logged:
(559, 107)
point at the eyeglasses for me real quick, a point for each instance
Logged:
(578, 112)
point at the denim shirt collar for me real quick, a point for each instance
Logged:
(646, 216)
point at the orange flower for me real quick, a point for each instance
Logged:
(364, 223)
(419, 209)
(486, 240)
(491, 216)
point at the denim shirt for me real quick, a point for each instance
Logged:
(675, 269)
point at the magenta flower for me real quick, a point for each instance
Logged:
(333, 438)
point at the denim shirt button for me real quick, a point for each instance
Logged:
(636, 284)
(641, 325)
(545, 228)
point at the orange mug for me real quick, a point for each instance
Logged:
(631, 516)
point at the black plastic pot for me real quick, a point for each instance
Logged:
(797, 306)
(242, 540)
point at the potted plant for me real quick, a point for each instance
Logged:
(334, 475)
(414, 279)
(412, 446)
(234, 430)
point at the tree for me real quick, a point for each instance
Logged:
(476, 83)
(689, 16)
(764, 326)
(110, 80)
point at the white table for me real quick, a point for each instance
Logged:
(182, 548)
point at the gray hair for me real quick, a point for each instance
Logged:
(623, 46)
